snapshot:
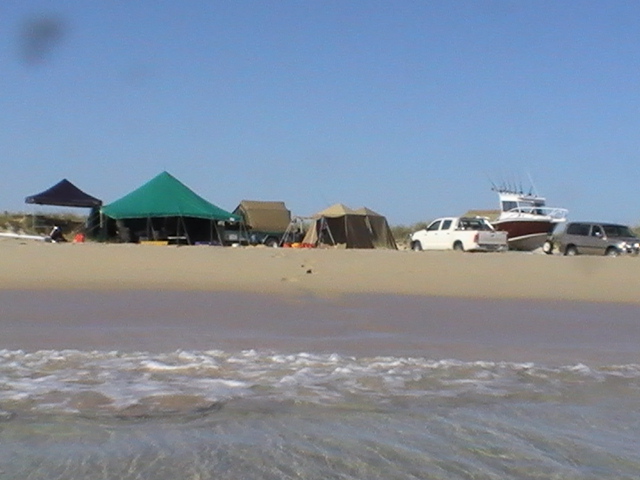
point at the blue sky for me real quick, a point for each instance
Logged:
(410, 108)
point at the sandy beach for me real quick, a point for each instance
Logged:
(317, 272)
(362, 302)
(130, 358)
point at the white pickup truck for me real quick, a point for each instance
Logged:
(461, 234)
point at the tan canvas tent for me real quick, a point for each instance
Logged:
(379, 227)
(340, 225)
(264, 216)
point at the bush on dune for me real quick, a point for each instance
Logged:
(39, 224)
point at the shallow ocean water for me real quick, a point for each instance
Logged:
(166, 385)
(251, 414)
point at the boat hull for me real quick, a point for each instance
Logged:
(525, 235)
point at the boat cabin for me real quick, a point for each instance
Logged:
(512, 202)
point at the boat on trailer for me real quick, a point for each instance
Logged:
(526, 218)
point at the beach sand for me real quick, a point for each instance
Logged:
(208, 362)
(506, 306)
(317, 272)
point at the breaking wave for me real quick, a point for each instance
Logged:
(140, 384)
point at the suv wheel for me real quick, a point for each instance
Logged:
(571, 251)
(547, 247)
(416, 246)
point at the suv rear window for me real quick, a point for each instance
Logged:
(578, 229)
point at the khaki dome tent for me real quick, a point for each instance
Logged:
(340, 225)
(379, 227)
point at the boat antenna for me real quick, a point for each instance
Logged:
(533, 187)
(493, 185)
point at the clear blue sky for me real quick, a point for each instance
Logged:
(407, 107)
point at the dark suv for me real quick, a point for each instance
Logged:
(593, 239)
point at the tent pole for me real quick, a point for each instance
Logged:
(186, 234)
(220, 235)
(333, 242)
(243, 230)
(287, 232)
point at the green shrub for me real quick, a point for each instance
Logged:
(402, 232)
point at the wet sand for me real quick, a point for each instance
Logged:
(511, 307)
(361, 325)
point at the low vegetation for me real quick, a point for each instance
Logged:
(402, 232)
(41, 224)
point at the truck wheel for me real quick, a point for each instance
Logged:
(272, 242)
(416, 246)
(458, 247)
(547, 247)
(612, 252)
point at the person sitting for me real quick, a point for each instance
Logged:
(56, 235)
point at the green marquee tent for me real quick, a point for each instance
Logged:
(167, 204)
(165, 196)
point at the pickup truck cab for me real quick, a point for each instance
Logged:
(459, 233)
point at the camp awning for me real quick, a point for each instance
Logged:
(64, 194)
(165, 196)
